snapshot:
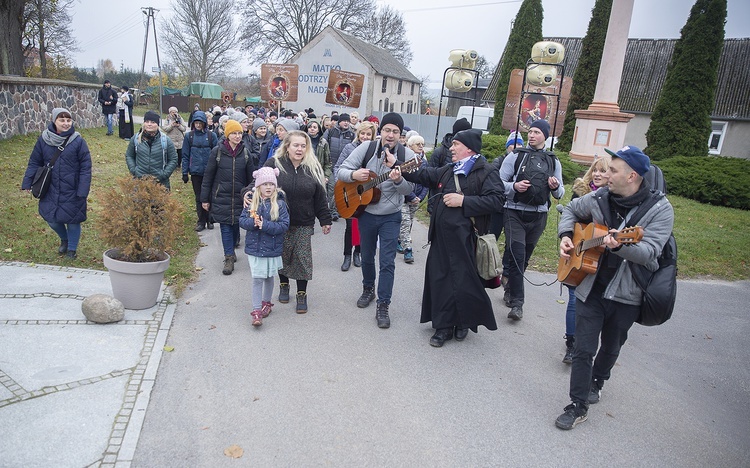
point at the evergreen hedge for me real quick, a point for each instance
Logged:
(717, 181)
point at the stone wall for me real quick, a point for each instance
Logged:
(26, 104)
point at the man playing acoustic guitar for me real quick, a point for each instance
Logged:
(608, 301)
(381, 220)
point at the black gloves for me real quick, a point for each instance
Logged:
(185, 178)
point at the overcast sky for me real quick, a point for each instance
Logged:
(434, 27)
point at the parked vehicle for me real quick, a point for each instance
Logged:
(481, 118)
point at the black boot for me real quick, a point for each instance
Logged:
(228, 264)
(569, 348)
(347, 263)
(368, 294)
(381, 315)
(301, 302)
(357, 259)
(63, 247)
(284, 293)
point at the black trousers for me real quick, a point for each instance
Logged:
(595, 318)
(522, 232)
(197, 181)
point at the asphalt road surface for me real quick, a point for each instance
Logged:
(329, 388)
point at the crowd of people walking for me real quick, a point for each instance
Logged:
(275, 177)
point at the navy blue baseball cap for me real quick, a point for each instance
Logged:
(635, 158)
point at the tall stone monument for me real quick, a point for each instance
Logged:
(602, 125)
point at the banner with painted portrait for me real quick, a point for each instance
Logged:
(538, 103)
(279, 82)
(344, 88)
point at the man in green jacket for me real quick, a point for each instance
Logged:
(150, 152)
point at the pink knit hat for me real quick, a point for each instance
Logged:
(266, 174)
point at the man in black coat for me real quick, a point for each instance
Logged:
(454, 298)
(108, 100)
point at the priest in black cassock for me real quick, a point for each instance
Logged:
(454, 298)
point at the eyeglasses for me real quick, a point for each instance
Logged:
(236, 133)
(419, 144)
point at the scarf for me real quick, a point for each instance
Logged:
(233, 152)
(52, 138)
(464, 166)
(620, 206)
(315, 140)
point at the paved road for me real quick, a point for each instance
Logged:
(330, 388)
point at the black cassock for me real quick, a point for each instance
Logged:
(454, 294)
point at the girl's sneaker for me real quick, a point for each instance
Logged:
(257, 317)
(266, 308)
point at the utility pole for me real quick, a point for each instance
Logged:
(151, 21)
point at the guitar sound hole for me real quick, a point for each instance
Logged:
(360, 190)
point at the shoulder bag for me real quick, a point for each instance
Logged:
(43, 175)
(488, 258)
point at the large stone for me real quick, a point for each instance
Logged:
(101, 308)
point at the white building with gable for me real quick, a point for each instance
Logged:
(388, 86)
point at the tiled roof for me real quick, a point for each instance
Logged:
(380, 59)
(645, 69)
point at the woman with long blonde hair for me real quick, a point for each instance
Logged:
(303, 181)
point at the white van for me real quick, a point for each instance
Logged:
(482, 116)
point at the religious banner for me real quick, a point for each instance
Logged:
(538, 103)
(344, 88)
(278, 82)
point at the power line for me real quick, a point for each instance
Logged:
(460, 6)
(107, 34)
(111, 36)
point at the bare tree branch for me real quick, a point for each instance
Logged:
(198, 35)
(276, 30)
(46, 28)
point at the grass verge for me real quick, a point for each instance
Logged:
(26, 237)
(712, 241)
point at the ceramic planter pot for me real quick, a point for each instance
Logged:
(136, 285)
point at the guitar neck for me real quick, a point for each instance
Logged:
(377, 180)
(595, 241)
(405, 167)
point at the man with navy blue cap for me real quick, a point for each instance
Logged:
(608, 301)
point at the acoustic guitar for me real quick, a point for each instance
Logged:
(588, 241)
(353, 197)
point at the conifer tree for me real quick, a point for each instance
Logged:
(587, 72)
(681, 122)
(527, 30)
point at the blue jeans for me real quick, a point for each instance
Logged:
(69, 232)
(570, 312)
(230, 235)
(385, 227)
(110, 120)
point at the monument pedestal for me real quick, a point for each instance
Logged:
(600, 126)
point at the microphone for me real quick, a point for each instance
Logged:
(560, 208)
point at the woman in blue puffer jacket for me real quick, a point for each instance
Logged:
(64, 205)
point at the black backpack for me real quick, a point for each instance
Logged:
(660, 286)
(536, 167)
